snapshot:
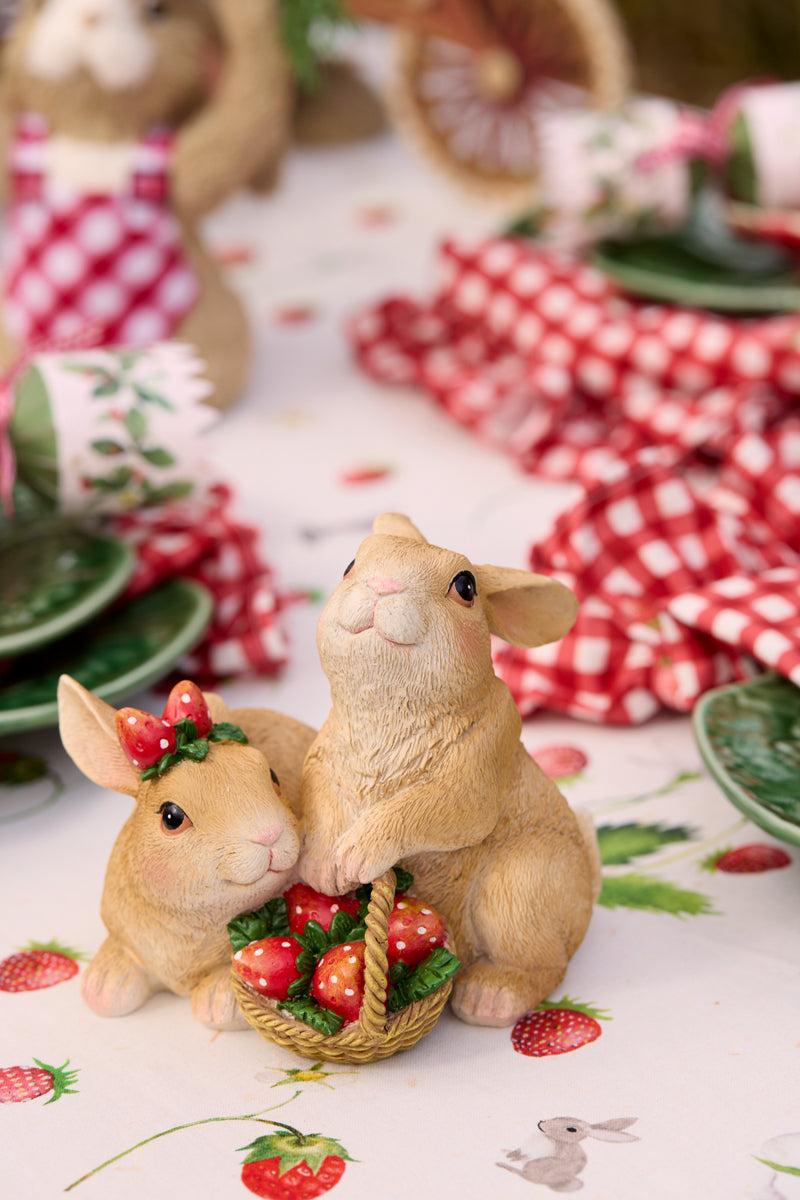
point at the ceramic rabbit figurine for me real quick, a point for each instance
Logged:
(206, 841)
(420, 761)
(127, 121)
(559, 1170)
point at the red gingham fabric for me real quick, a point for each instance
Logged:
(74, 260)
(206, 542)
(543, 357)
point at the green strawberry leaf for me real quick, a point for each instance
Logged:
(620, 844)
(107, 446)
(423, 980)
(135, 424)
(196, 751)
(158, 457)
(588, 1010)
(404, 879)
(314, 938)
(270, 920)
(306, 1009)
(341, 929)
(293, 1148)
(61, 1077)
(638, 891)
(225, 731)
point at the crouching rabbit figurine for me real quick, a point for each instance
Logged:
(213, 834)
(420, 762)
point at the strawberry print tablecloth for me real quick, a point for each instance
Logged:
(672, 1067)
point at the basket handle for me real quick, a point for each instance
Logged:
(376, 964)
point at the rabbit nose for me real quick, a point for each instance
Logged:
(267, 836)
(382, 586)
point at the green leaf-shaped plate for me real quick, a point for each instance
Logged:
(124, 650)
(54, 579)
(749, 737)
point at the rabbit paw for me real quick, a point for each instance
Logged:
(113, 985)
(214, 1004)
(358, 862)
(318, 873)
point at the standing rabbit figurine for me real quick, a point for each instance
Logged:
(127, 121)
(209, 838)
(559, 1170)
(420, 762)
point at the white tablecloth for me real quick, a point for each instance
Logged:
(702, 1042)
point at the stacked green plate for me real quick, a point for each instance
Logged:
(749, 737)
(61, 612)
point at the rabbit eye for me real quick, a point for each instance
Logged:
(572, 1129)
(349, 568)
(276, 783)
(463, 589)
(155, 9)
(174, 819)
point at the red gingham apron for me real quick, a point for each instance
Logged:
(111, 260)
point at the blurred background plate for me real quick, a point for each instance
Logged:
(749, 737)
(122, 651)
(53, 580)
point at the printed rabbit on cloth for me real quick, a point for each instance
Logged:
(682, 585)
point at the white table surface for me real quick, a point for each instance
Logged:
(703, 1042)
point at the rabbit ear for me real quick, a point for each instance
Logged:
(397, 525)
(89, 733)
(217, 707)
(525, 609)
(611, 1130)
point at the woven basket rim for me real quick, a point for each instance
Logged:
(375, 1024)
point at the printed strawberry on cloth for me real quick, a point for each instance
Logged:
(676, 421)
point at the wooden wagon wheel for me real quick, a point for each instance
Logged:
(474, 109)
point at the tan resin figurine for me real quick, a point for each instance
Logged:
(212, 835)
(420, 762)
(124, 123)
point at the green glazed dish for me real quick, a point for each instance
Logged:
(749, 736)
(123, 651)
(53, 580)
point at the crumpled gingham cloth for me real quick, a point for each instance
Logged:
(684, 550)
(204, 540)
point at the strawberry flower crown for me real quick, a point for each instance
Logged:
(185, 730)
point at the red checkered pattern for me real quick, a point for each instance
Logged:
(74, 260)
(539, 354)
(207, 543)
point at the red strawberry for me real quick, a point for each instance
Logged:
(269, 965)
(304, 904)
(556, 1028)
(144, 738)
(560, 762)
(186, 701)
(289, 1164)
(414, 928)
(338, 982)
(26, 1083)
(38, 965)
(749, 860)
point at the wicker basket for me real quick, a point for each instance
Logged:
(376, 1034)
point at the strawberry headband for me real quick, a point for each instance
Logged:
(154, 744)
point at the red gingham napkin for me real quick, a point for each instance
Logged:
(541, 356)
(208, 543)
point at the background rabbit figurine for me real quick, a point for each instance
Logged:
(126, 122)
(559, 1170)
(420, 761)
(206, 841)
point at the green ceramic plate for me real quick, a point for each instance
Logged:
(54, 579)
(749, 737)
(665, 269)
(124, 650)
